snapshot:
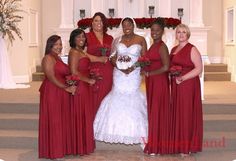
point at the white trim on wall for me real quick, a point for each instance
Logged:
(22, 78)
(230, 17)
(216, 59)
(33, 28)
(231, 68)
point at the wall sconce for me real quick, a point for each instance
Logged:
(82, 13)
(151, 10)
(180, 13)
(111, 12)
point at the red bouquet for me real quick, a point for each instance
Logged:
(142, 62)
(104, 49)
(96, 75)
(175, 70)
(72, 80)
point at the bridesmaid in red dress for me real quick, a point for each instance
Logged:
(54, 123)
(186, 66)
(158, 93)
(98, 44)
(81, 106)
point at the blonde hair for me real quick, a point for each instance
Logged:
(185, 27)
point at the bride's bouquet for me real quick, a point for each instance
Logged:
(123, 62)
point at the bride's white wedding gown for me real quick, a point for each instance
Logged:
(122, 115)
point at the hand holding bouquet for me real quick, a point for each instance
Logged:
(104, 50)
(123, 62)
(175, 70)
(142, 62)
(72, 81)
(95, 75)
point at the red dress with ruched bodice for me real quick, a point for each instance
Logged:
(158, 104)
(94, 47)
(82, 117)
(187, 105)
(54, 116)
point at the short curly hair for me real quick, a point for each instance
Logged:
(73, 35)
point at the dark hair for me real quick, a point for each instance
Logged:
(50, 42)
(128, 19)
(160, 22)
(73, 35)
(104, 21)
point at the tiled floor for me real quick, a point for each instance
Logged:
(101, 155)
(215, 93)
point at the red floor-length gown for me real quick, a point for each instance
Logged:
(158, 105)
(94, 47)
(82, 117)
(187, 105)
(54, 116)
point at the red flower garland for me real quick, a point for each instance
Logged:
(141, 22)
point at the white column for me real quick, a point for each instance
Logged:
(141, 6)
(196, 13)
(120, 9)
(98, 6)
(164, 8)
(67, 14)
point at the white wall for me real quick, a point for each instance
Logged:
(180, 4)
(24, 60)
(213, 17)
(51, 13)
(230, 50)
(23, 57)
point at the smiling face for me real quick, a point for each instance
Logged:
(156, 32)
(80, 40)
(57, 47)
(182, 33)
(128, 27)
(97, 24)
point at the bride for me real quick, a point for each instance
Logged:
(122, 115)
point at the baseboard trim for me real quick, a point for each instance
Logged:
(216, 59)
(22, 79)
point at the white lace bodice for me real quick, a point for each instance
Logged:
(127, 82)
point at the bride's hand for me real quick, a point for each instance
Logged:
(126, 71)
(113, 60)
(131, 69)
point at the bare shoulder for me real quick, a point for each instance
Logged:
(163, 45)
(140, 38)
(48, 58)
(74, 53)
(48, 61)
(194, 51)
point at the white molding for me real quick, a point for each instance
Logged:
(65, 36)
(216, 59)
(231, 68)
(33, 28)
(233, 41)
(22, 78)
